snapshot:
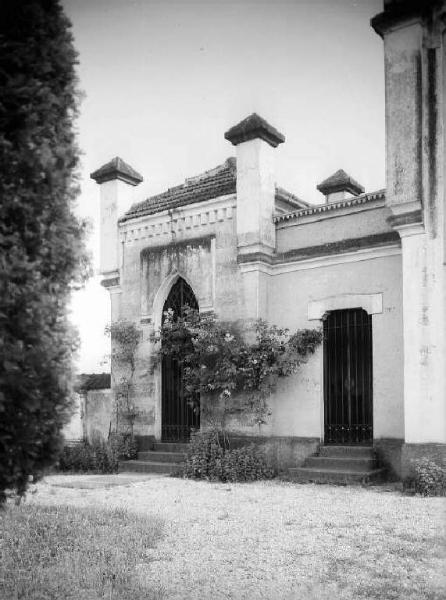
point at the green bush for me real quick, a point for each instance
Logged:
(98, 456)
(429, 478)
(210, 457)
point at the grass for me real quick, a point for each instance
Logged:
(61, 552)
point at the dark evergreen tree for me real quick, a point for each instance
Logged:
(42, 253)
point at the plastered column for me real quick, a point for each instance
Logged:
(255, 196)
(117, 181)
(255, 140)
(116, 197)
(424, 352)
(414, 50)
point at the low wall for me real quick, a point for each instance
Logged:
(73, 430)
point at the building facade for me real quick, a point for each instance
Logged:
(368, 268)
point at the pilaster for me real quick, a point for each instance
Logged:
(255, 140)
(415, 144)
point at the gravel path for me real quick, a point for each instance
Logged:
(276, 540)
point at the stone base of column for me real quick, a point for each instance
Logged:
(388, 451)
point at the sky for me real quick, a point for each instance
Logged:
(162, 81)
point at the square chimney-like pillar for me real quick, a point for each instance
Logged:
(255, 140)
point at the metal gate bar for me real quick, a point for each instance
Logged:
(178, 416)
(348, 377)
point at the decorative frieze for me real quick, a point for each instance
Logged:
(173, 222)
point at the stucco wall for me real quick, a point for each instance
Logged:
(289, 295)
(199, 243)
(98, 413)
(334, 226)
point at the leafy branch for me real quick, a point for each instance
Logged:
(217, 361)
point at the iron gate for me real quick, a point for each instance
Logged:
(348, 394)
(178, 416)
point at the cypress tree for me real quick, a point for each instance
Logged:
(42, 253)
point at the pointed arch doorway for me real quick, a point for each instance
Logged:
(178, 416)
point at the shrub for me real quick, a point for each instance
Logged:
(429, 478)
(41, 240)
(98, 456)
(245, 464)
(77, 457)
(124, 446)
(210, 457)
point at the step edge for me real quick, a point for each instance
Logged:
(149, 462)
(335, 471)
(351, 458)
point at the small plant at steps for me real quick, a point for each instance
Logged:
(97, 456)
(210, 457)
(429, 478)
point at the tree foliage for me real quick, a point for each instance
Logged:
(218, 361)
(42, 253)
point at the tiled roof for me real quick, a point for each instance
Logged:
(340, 181)
(254, 127)
(93, 381)
(214, 183)
(331, 206)
(116, 169)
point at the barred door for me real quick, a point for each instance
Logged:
(178, 415)
(348, 394)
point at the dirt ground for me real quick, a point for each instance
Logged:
(273, 539)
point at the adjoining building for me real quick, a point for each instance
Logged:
(367, 267)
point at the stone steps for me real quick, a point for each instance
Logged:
(158, 456)
(344, 477)
(341, 465)
(337, 463)
(170, 446)
(144, 466)
(165, 457)
(345, 451)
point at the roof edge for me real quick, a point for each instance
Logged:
(332, 206)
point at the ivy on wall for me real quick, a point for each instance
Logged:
(238, 370)
(125, 338)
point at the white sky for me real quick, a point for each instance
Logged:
(164, 80)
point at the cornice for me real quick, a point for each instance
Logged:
(414, 217)
(323, 261)
(331, 206)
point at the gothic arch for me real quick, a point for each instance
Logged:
(180, 411)
(162, 295)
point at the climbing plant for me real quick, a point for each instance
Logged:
(236, 370)
(125, 338)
